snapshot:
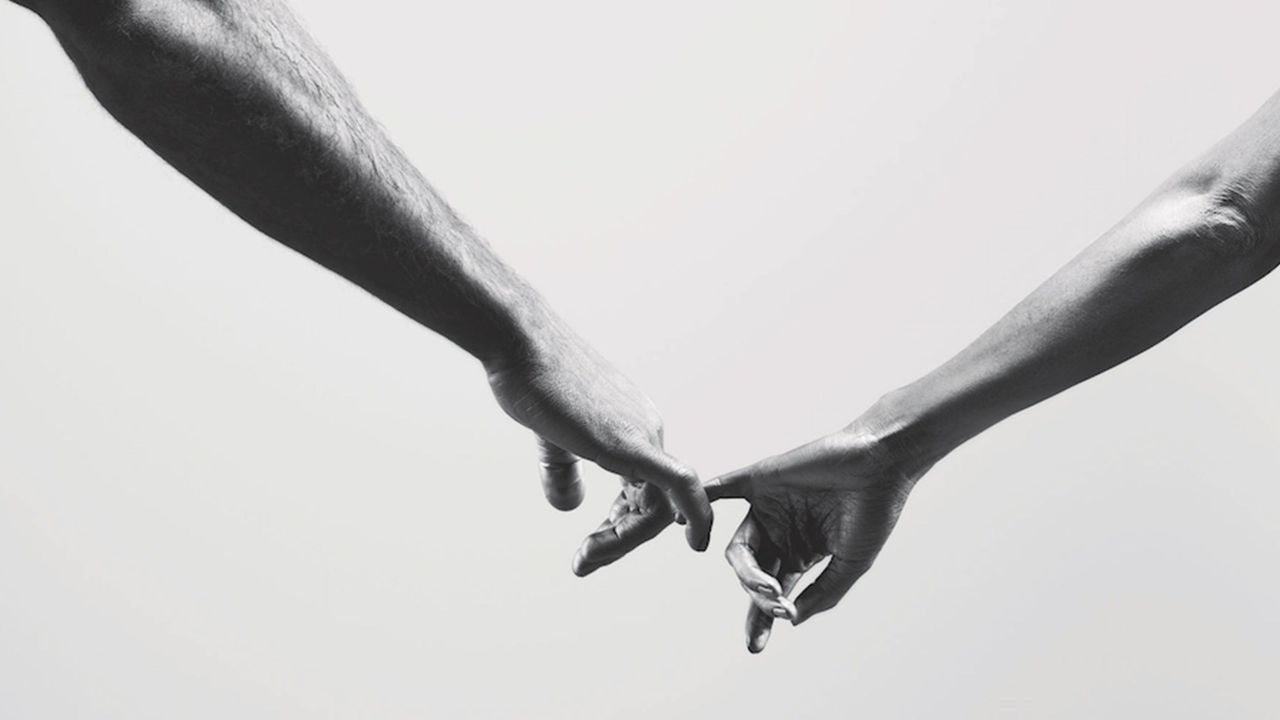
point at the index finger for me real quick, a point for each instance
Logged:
(736, 484)
(681, 483)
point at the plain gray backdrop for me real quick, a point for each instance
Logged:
(234, 485)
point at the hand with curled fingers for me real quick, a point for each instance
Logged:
(836, 497)
(581, 407)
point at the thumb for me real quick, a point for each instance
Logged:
(653, 465)
(560, 480)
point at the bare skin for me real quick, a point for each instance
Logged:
(1204, 235)
(236, 96)
(239, 99)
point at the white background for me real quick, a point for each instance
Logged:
(233, 485)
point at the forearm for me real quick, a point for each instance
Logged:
(1202, 237)
(236, 96)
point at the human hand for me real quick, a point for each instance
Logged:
(838, 496)
(580, 406)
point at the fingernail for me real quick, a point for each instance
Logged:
(766, 589)
(780, 612)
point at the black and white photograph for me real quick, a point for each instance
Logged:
(574, 359)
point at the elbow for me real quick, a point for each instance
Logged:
(1227, 227)
(1219, 229)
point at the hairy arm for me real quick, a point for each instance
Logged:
(237, 97)
(1202, 236)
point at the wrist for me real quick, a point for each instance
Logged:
(905, 431)
(531, 330)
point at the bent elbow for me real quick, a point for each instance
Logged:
(1220, 230)
(1229, 226)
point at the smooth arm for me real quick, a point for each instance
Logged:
(1204, 235)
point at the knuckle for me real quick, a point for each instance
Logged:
(618, 464)
(686, 478)
(633, 439)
